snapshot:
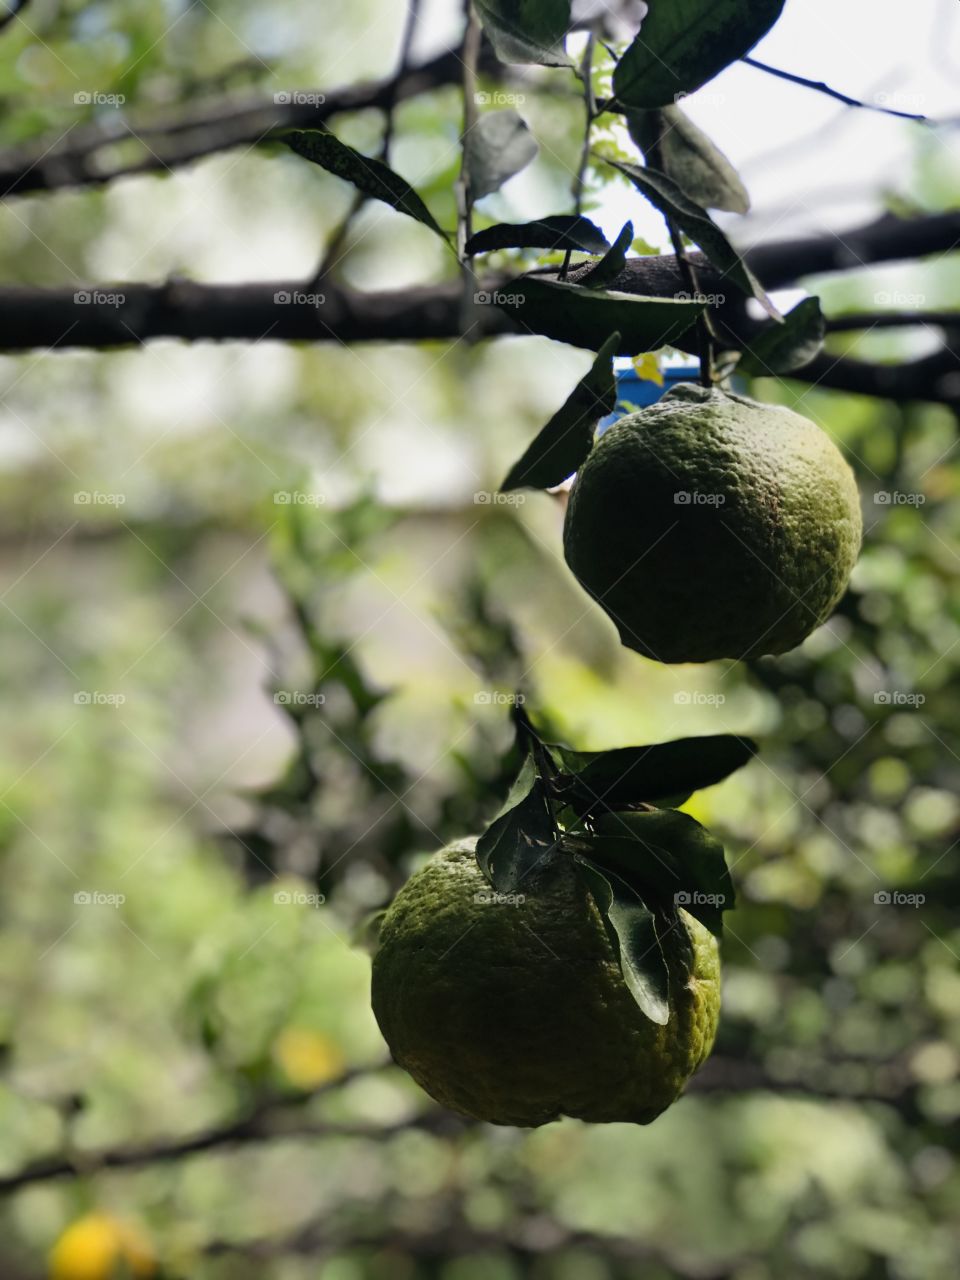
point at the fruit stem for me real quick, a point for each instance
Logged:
(686, 268)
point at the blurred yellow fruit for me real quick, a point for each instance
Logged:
(100, 1247)
(308, 1058)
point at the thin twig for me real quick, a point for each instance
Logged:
(76, 157)
(15, 9)
(332, 254)
(590, 109)
(267, 1120)
(471, 55)
(845, 98)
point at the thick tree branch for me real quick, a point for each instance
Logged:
(888, 239)
(128, 314)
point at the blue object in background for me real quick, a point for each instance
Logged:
(634, 392)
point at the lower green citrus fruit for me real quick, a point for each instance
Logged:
(514, 1009)
(711, 526)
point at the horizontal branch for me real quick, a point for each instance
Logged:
(81, 155)
(538, 1236)
(275, 1119)
(118, 315)
(270, 1120)
(887, 239)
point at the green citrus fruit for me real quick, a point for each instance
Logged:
(516, 1011)
(711, 526)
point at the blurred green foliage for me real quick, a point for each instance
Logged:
(288, 701)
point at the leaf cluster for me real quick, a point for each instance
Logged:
(614, 814)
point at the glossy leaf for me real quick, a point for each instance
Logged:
(585, 317)
(563, 231)
(684, 43)
(631, 927)
(632, 775)
(667, 856)
(368, 175)
(527, 30)
(687, 155)
(522, 835)
(696, 223)
(611, 264)
(498, 146)
(565, 441)
(781, 348)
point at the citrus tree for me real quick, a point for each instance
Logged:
(560, 954)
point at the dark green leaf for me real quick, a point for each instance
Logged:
(667, 857)
(498, 146)
(565, 441)
(611, 264)
(781, 348)
(684, 43)
(696, 223)
(563, 231)
(686, 154)
(527, 30)
(521, 836)
(370, 176)
(585, 317)
(632, 931)
(632, 775)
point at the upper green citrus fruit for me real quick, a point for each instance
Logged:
(517, 1012)
(711, 526)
